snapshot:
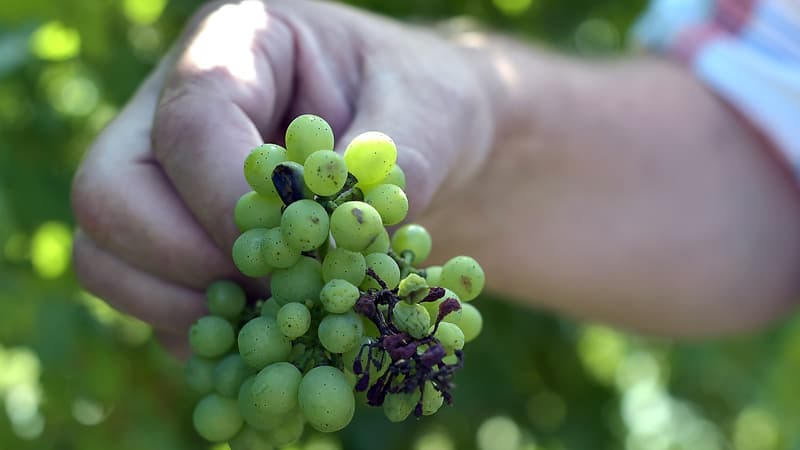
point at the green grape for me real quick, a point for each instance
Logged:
(249, 438)
(261, 342)
(270, 307)
(199, 373)
(450, 360)
(297, 283)
(370, 157)
(294, 319)
(432, 399)
(247, 253)
(325, 172)
(385, 267)
(340, 333)
(305, 135)
(288, 429)
(370, 329)
(390, 201)
(433, 274)
(211, 336)
(412, 286)
(229, 374)
(251, 410)
(355, 225)
(258, 167)
(225, 299)
(326, 399)
(464, 276)
(274, 389)
(216, 418)
(305, 225)
(415, 239)
(276, 251)
(254, 210)
(411, 318)
(451, 337)
(345, 265)
(470, 322)
(397, 407)
(396, 177)
(338, 296)
(379, 245)
(433, 307)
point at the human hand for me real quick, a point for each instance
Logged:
(155, 194)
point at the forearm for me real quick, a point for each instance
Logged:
(627, 192)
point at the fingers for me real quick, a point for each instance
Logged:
(230, 85)
(128, 207)
(439, 126)
(166, 306)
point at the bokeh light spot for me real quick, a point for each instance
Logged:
(512, 7)
(499, 433)
(55, 41)
(50, 249)
(547, 410)
(434, 440)
(87, 412)
(143, 12)
(756, 429)
(322, 443)
(601, 349)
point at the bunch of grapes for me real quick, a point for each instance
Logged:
(353, 317)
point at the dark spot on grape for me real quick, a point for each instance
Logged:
(314, 219)
(466, 282)
(359, 215)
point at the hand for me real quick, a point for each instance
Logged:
(155, 194)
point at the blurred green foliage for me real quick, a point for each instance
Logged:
(74, 374)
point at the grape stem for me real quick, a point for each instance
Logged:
(403, 261)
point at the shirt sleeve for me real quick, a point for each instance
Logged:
(747, 51)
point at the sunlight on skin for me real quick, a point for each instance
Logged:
(239, 24)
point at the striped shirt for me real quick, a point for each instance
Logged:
(747, 51)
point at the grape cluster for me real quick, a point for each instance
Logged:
(353, 317)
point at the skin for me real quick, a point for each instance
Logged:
(618, 191)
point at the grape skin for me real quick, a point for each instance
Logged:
(258, 167)
(325, 172)
(294, 319)
(355, 225)
(229, 374)
(464, 276)
(340, 333)
(297, 283)
(261, 342)
(385, 267)
(216, 418)
(247, 253)
(390, 201)
(343, 264)
(254, 210)
(370, 157)
(211, 336)
(274, 389)
(326, 399)
(338, 296)
(305, 225)
(413, 238)
(225, 299)
(307, 134)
